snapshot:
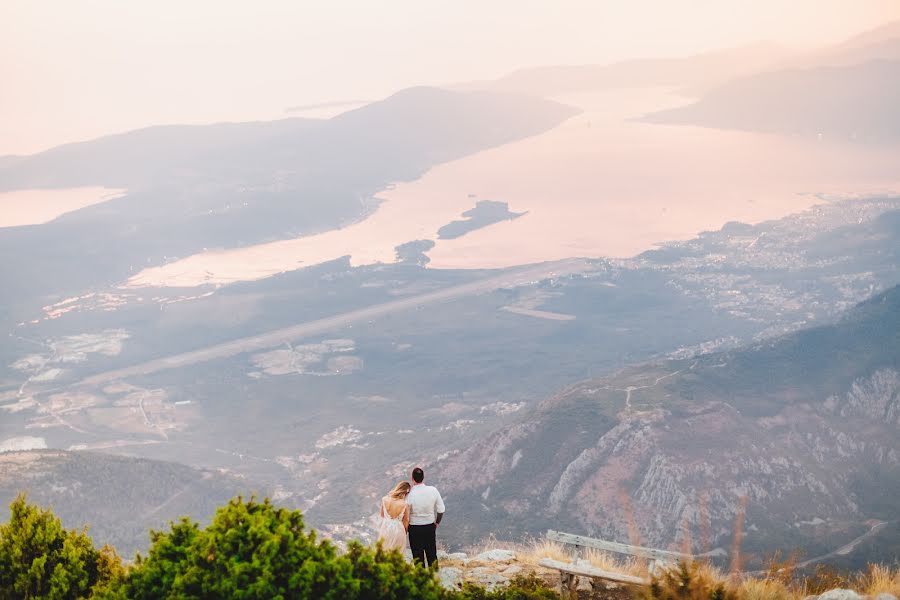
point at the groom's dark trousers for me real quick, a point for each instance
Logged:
(423, 543)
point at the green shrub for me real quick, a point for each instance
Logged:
(688, 581)
(387, 575)
(41, 559)
(255, 550)
(523, 587)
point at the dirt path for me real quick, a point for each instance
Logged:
(166, 502)
(632, 388)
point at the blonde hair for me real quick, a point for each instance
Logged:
(400, 490)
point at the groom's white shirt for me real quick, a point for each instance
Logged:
(424, 504)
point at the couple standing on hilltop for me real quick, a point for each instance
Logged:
(411, 513)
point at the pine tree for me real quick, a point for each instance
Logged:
(40, 559)
(255, 550)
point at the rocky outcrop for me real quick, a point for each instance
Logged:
(839, 594)
(451, 577)
(684, 468)
(799, 434)
(877, 397)
(496, 556)
(491, 568)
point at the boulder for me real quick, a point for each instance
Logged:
(458, 556)
(497, 556)
(451, 578)
(513, 570)
(885, 596)
(840, 594)
(487, 577)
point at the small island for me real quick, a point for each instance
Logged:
(486, 212)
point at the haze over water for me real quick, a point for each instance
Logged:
(34, 207)
(77, 70)
(602, 184)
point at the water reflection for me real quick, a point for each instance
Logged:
(601, 184)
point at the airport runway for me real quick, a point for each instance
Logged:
(271, 339)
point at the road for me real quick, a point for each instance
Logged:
(271, 339)
(632, 388)
(846, 548)
(842, 551)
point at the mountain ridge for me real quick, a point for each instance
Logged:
(640, 442)
(119, 498)
(854, 103)
(236, 185)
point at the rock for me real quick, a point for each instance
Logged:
(487, 577)
(442, 554)
(451, 578)
(885, 596)
(840, 594)
(458, 556)
(497, 556)
(514, 570)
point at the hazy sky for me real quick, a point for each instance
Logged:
(72, 70)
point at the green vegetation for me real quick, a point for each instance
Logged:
(256, 550)
(41, 559)
(251, 550)
(689, 581)
(148, 493)
(522, 587)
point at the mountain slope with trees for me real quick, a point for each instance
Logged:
(803, 430)
(119, 498)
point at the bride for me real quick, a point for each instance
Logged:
(394, 518)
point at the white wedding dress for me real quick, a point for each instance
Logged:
(391, 531)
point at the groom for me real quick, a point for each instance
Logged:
(426, 509)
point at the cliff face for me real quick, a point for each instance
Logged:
(805, 428)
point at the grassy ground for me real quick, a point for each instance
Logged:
(781, 580)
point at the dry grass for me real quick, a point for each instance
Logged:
(709, 572)
(736, 563)
(781, 580)
(690, 581)
(767, 589)
(880, 579)
(530, 552)
(616, 564)
(488, 543)
(603, 560)
(533, 551)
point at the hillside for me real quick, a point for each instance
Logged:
(190, 188)
(336, 416)
(881, 43)
(833, 103)
(698, 74)
(805, 426)
(119, 498)
(692, 73)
